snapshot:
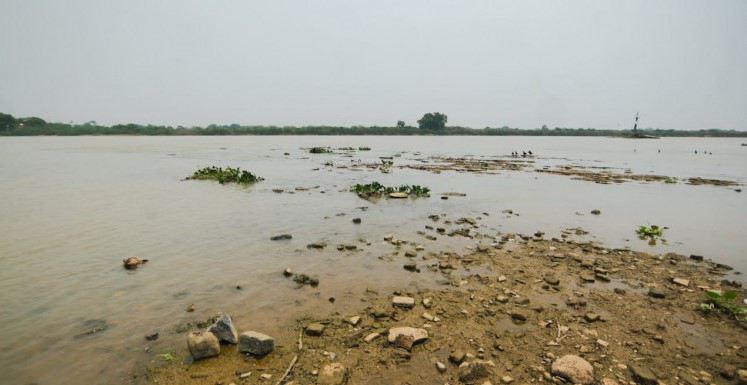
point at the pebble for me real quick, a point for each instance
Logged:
(315, 330)
(507, 380)
(332, 374)
(354, 320)
(518, 316)
(457, 357)
(371, 337)
(441, 367)
(592, 317)
(681, 282)
(405, 302)
(265, 376)
(427, 303)
(656, 293)
(643, 375)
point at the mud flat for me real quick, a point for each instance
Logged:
(507, 312)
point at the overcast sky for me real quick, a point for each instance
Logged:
(681, 64)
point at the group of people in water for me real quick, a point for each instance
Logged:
(523, 154)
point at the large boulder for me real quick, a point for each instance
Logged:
(224, 330)
(203, 345)
(574, 369)
(255, 343)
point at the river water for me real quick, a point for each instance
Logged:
(72, 208)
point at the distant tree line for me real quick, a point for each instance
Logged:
(430, 124)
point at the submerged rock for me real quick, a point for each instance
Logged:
(203, 345)
(281, 237)
(643, 375)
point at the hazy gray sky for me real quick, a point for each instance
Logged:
(682, 64)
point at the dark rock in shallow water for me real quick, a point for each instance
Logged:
(255, 343)
(92, 327)
(656, 293)
(223, 329)
(152, 337)
(281, 237)
(133, 263)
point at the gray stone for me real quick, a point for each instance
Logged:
(681, 282)
(656, 293)
(643, 375)
(332, 374)
(315, 330)
(592, 317)
(354, 320)
(552, 280)
(411, 266)
(203, 345)
(224, 330)
(255, 343)
(406, 302)
(371, 337)
(281, 237)
(574, 369)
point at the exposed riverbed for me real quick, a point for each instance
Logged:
(73, 208)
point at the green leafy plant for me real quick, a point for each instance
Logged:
(227, 175)
(166, 356)
(376, 189)
(724, 302)
(653, 231)
(320, 150)
(670, 180)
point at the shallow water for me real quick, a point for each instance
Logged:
(73, 208)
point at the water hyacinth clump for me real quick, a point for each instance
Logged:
(375, 189)
(227, 175)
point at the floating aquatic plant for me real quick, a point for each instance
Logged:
(320, 150)
(227, 175)
(376, 189)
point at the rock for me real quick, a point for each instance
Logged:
(507, 379)
(356, 220)
(203, 345)
(427, 303)
(281, 237)
(411, 254)
(315, 330)
(552, 280)
(411, 266)
(609, 381)
(696, 257)
(332, 374)
(371, 337)
(596, 211)
(587, 277)
(405, 302)
(481, 247)
(287, 272)
(475, 371)
(681, 282)
(574, 369)
(152, 337)
(728, 372)
(742, 376)
(687, 379)
(592, 317)
(354, 320)
(457, 357)
(316, 245)
(255, 343)
(224, 330)
(502, 278)
(398, 195)
(656, 293)
(441, 367)
(416, 335)
(643, 375)
(265, 376)
(518, 316)
(133, 263)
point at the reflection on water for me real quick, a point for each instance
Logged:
(73, 208)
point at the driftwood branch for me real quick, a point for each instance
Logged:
(287, 372)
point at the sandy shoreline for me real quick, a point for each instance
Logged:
(512, 306)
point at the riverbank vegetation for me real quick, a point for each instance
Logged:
(34, 126)
(376, 189)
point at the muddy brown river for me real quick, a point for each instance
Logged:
(71, 209)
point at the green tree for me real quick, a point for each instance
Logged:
(33, 121)
(7, 121)
(401, 123)
(433, 121)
